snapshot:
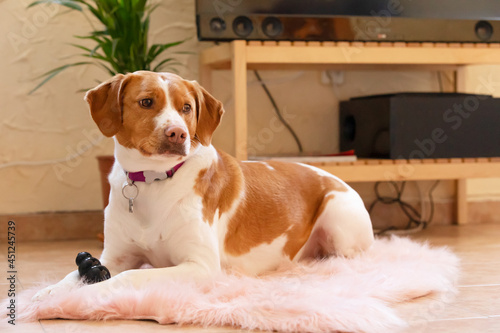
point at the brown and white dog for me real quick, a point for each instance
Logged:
(214, 212)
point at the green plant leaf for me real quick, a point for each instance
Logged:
(157, 49)
(99, 33)
(170, 66)
(67, 3)
(81, 47)
(161, 63)
(83, 90)
(94, 50)
(119, 41)
(50, 74)
(152, 8)
(114, 45)
(92, 53)
(106, 68)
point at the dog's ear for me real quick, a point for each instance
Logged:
(105, 102)
(209, 113)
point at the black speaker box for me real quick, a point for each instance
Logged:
(462, 21)
(421, 125)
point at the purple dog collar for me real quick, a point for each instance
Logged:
(152, 176)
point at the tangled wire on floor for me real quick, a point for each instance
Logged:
(416, 220)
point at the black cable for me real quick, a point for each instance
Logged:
(278, 113)
(414, 216)
(431, 199)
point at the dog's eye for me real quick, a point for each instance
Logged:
(146, 103)
(186, 108)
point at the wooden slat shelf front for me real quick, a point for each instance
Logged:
(284, 54)
(367, 170)
(239, 56)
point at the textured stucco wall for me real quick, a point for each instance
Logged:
(53, 124)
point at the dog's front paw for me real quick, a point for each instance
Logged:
(42, 294)
(90, 269)
(46, 293)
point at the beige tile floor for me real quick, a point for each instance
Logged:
(476, 309)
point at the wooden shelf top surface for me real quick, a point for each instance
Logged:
(352, 53)
(370, 161)
(427, 169)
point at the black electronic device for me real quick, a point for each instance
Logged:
(421, 125)
(349, 20)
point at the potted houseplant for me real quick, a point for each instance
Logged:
(118, 44)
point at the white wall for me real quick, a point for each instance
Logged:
(53, 123)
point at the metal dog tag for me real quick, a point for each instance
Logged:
(130, 191)
(130, 205)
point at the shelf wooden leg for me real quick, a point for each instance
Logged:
(462, 84)
(461, 201)
(239, 69)
(205, 76)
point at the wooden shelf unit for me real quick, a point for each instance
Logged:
(399, 170)
(239, 56)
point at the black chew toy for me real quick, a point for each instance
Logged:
(87, 264)
(90, 269)
(96, 274)
(81, 257)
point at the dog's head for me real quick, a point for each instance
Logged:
(157, 114)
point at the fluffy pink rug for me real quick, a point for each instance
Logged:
(321, 296)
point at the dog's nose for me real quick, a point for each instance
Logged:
(175, 134)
